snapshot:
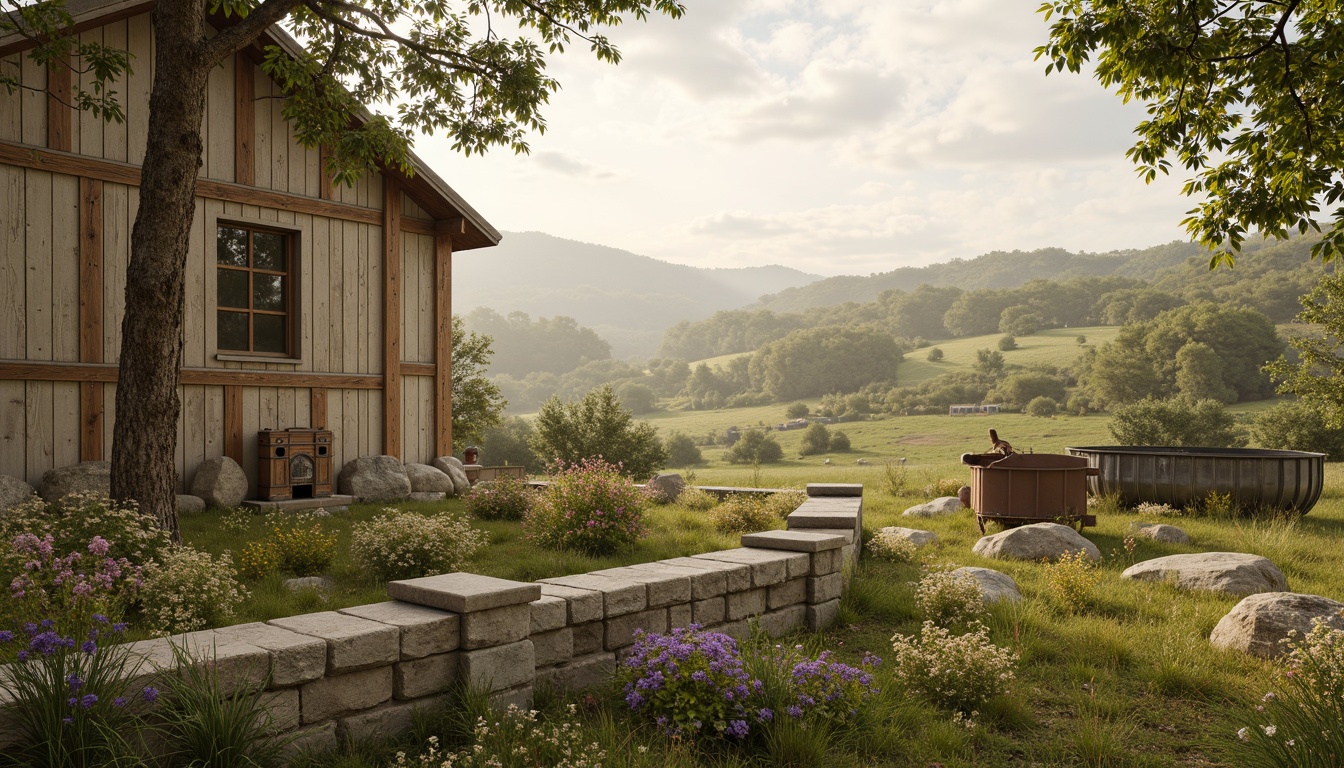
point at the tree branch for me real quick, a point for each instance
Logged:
(233, 39)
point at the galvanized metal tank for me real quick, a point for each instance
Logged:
(1254, 478)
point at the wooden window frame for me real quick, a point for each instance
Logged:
(292, 240)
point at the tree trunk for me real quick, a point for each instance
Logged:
(144, 442)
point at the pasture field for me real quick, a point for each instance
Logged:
(1057, 346)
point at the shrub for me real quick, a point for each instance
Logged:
(741, 513)
(405, 545)
(1007, 343)
(301, 546)
(689, 682)
(504, 498)
(1176, 422)
(935, 355)
(1080, 339)
(948, 598)
(1300, 725)
(517, 739)
(1152, 509)
(509, 443)
(796, 411)
(75, 520)
(590, 508)
(1042, 407)
(53, 585)
(1298, 426)
(189, 590)
(696, 499)
(258, 559)
(960, 672)
(597, 427)
(783, 503)
(1071, 580)
(894, 477)
(828, 690)
(889, 546)
(817, 439)
(754, 446)
(839, 442)
(682, 451)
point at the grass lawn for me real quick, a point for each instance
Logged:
(1126, 677)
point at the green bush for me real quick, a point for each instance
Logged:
(1007, 343)
(509, 443)
(588, 507)
(796, 411)
(1042, 407)
(935, 355)
(598, 427)
(1177, 423)
(504, 498)
(696, 499)
(1297, 426)
(681, 450)
(755, 446)
(406, 545)
(960, 672)
(817, 439)
(839, 442)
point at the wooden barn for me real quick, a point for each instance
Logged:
(308, 304)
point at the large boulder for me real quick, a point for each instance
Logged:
(186, 503)
(14, 492)
(1167, 534)
(943, 505)
(375, 479)
(994, 585)
(220, 482)
(913, 535)
(85, 477)
(427, 479)
(666, 487)
(1039, 541)
(452, 467)
(1260, 621)
(1231, 573)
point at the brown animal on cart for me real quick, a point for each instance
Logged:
(1000, 446)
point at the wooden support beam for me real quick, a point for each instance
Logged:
(317, 408)
(233, 423)
(91, 316)
(391, 317)
(60, 115)
(324, 177)
(443, 345)
(26, 370)
(244, 125)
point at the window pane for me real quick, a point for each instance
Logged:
(232, 288)
(232, 330)
(232, 246)
(268, 251)
(268, 292)
(268, 333)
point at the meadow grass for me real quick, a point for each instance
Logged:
(1123, 677)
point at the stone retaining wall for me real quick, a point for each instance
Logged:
(359, 672)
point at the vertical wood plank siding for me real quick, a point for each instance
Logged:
(91, 316)
(391, 319)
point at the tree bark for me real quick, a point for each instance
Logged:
(144, 442)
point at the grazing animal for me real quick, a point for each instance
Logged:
(1000, 446)
(828, 461)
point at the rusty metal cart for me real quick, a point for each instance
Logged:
(1024, 488)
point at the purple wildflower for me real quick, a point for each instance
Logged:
(88, 700)
(89, 647)
(151, 694)
(6, 635)
(74, 682)
(119, 702)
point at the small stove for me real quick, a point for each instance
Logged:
(293, 463)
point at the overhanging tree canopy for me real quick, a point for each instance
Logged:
(1246, 95)
(448, 66)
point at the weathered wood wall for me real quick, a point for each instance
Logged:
(65, 227)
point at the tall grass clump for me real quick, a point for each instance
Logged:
(206, 722)
(1301, 725)
(589, 507)
(1071, 580)
(743, 513)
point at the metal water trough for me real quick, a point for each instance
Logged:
(1024, 488)
(1253, 478)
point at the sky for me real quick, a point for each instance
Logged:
(832, 136)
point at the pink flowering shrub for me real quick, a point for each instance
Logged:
(589, 507)
(78, 583)
(504, 498)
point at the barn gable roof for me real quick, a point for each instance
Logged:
(429, 190)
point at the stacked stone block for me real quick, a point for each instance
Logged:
(833, 508)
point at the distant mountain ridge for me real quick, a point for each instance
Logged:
(997, 269)
(626, 298)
